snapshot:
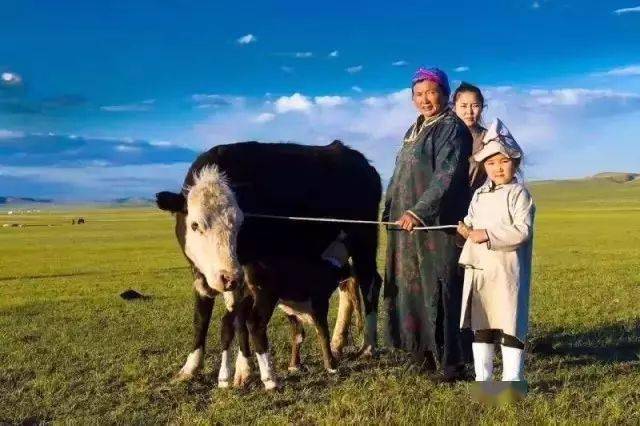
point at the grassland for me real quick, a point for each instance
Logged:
(72, 351)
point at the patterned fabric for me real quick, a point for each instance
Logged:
(423, 285)
(432, 74)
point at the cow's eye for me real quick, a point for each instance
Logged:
(194, 226)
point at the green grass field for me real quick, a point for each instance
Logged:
(71, 350)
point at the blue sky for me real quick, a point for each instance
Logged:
(101, 100)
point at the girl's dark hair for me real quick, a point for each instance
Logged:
(467, 87)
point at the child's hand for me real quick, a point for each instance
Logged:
(479, 236)
(463, 230)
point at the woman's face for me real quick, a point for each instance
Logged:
(428, 98)
(500, 168)
(469, 108)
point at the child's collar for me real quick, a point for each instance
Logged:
(490, 185)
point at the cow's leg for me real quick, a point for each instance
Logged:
(243, 368)
(345, 311)
(371, 315)
(201, 319)
(257, 323)
(226, 338)
(364, 250)
(297, 337)
(322, 328)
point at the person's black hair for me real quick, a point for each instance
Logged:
(468, 87)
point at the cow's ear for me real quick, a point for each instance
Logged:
(171, 201)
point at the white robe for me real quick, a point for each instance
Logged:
(498, 272)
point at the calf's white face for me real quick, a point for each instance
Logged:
(212, 224)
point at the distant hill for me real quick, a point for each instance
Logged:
(603, 190)
(133, 201)
(617, 176)
(23, 200)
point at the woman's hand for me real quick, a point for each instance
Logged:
(464, 230)
(408, 222)
(479, 236)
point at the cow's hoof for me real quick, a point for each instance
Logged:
(240, 379)
(367, 351)
(294, 369)
(270, 384)
(182, 377)
(336, 351)
(223, 384)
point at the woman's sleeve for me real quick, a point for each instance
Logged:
(510, 237)
(386, 212)
(448, 156)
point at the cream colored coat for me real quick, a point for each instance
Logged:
(498, 273)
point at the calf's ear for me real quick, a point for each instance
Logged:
(170, 201)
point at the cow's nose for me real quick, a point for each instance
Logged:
(229, 281)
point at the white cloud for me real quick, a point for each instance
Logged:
(401, 63)
(142, 106)
(206, 100)
(247, 39)
(331, 101)
(356, 89)
(334, 54)
(503, 89)
(101, 181)
(10, 134)
(161, 143)
(126, 148)
(549, 123)
(630, 70)
(11, 78)
(286, 69)
(581, 97)
(303, 55)
(372, 101)
(535, 5)
(461, 69)
(295, 102)
(264, 117)
(627, 10)
(354, 69)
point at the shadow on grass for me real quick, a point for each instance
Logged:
(611, 344)
(45, 276)
(29, 421)
(157, 271)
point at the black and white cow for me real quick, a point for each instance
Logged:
(218, 235)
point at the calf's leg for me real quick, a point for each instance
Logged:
(201, 319)
(226, 338)
(257, 323)
(322, 328)
(346, 307)
(243, 368)
(297, 337)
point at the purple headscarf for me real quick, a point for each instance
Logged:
(432, 74)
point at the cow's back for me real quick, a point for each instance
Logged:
(285, 179)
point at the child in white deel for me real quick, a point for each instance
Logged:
(497, 258)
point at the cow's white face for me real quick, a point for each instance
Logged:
(212, 224)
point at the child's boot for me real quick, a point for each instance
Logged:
(483, 361)
(512, 364)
